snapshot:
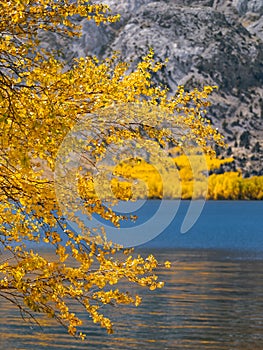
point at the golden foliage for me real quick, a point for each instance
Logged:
(229, 185)
(41, 100)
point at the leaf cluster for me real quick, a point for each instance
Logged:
(41, 101)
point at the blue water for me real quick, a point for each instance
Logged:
(212, 299)
(221, 224)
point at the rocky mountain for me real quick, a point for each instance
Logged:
(217, 42)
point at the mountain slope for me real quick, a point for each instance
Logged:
(206, 42)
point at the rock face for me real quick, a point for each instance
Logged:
(218, 42)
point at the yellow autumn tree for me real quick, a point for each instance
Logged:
(41, 101)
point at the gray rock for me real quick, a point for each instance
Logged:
(216, 42)
(244, 6)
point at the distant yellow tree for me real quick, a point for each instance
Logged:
(41, 100)
(231, 185)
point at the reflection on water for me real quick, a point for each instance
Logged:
(211, 300)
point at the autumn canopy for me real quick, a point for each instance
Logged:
(43, 101)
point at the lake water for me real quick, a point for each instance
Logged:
(213, 298)
(235, 225)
